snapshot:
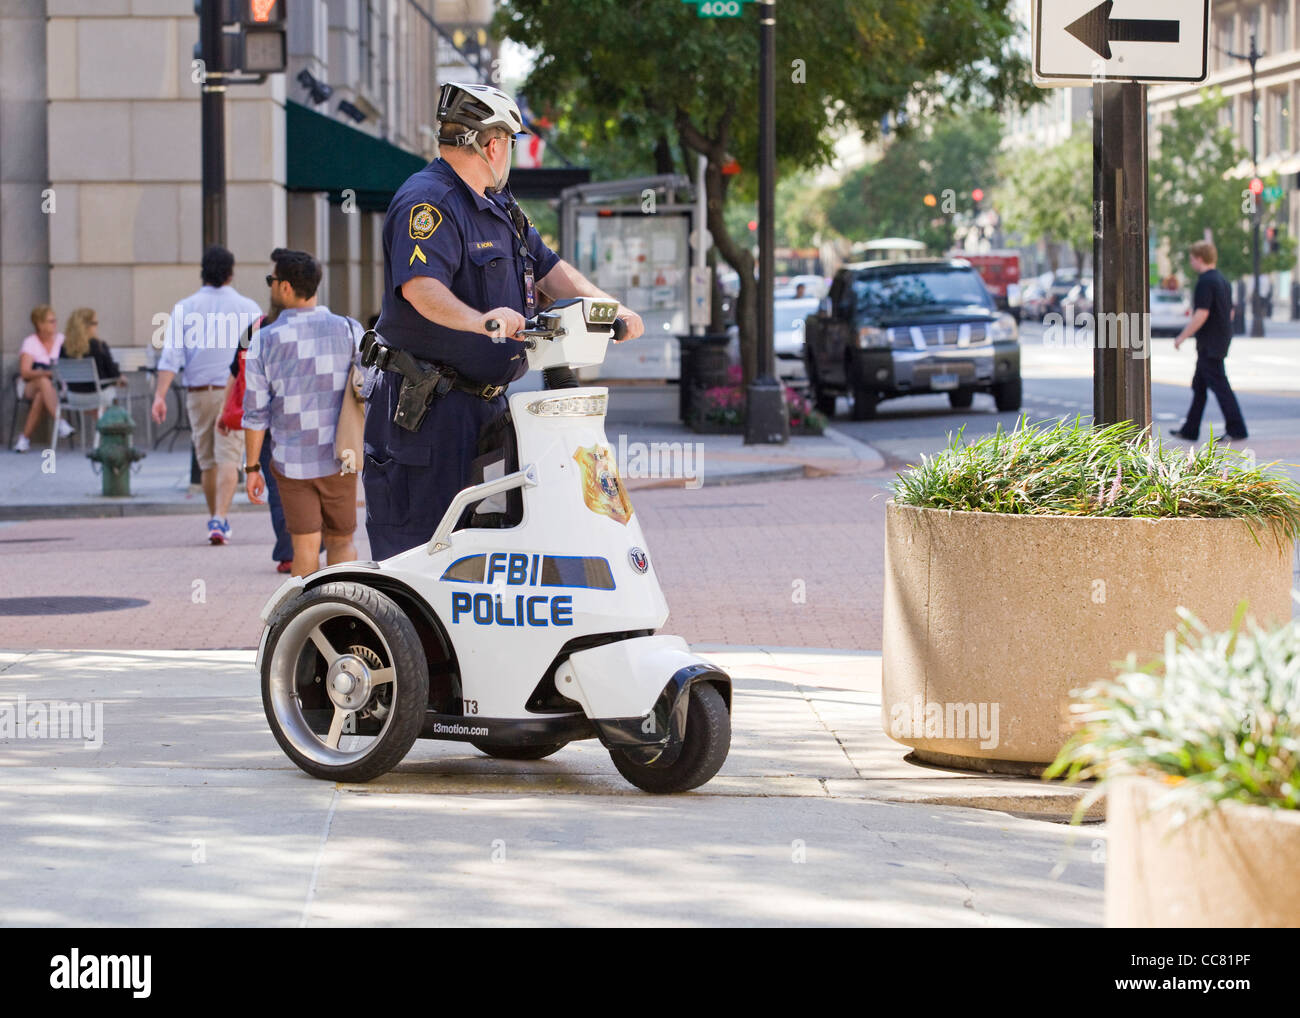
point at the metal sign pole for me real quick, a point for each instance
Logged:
(1121, 358)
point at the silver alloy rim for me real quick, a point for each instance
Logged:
(349, 682)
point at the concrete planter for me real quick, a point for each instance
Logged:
(990, 620)
(1233, 867)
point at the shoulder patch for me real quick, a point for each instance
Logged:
(425, 220)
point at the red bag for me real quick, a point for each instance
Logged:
(232, 414)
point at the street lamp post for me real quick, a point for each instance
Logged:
(213, 124)
(766, 420)
(1256, 318)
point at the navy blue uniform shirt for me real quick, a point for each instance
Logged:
(438, 226)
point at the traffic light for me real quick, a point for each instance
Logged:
(977, 195)
(930, 201)
(1271, 235)
(1256, 187)
(259, 46)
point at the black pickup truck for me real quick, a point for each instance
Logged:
(898, 328)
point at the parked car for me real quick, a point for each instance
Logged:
(1059, 288)
(1170, 310)
(1033, 301)
(900, 328)
(1077, 302)
(788, 335)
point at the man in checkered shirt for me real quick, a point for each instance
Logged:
(295, 375)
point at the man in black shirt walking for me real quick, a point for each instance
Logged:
(1211, 324)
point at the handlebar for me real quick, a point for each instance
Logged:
(534, 331)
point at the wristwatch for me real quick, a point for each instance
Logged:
(252, 468)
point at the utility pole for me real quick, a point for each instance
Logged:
(766, 419)
(1256, 318)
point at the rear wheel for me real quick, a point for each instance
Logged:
(704, 748)
(865, 401)
(345, 683)
(503, 752)
(961, 399)
(1008, 395)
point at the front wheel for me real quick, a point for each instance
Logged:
(1008, 395)
(345, 683)
(704, 748)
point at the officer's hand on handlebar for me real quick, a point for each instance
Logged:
(507, 322)
(632, 322)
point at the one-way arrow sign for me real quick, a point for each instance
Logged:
(1120, 40)
(1097, 30)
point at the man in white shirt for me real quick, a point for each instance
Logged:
(201, 337)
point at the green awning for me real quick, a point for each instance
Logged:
(326, 155)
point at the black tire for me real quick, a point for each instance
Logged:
(704, 748)
(385, 640)
(502, 752)
(961, 399)
(824, 403)
(864, 403)
(1008, 395)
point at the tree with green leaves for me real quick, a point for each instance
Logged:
(1193, 193)
(921, 187)
(652, 76)
(1047, 195)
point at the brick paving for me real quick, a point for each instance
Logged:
(792, 563)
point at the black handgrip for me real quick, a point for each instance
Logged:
(492, 325)
(620, 330)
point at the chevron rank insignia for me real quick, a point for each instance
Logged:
(417, 253)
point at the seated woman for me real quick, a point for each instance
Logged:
(36, 368)
(82, 340)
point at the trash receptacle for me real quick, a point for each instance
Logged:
(704, 366)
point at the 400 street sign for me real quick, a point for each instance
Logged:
(719, 8)
(1146, 41)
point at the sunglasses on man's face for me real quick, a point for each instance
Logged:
(272, 279)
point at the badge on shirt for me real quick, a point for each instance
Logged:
(425, 220)
(417, 253)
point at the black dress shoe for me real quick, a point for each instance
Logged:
(1179, 433)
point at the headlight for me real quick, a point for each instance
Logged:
(569, 406)
(1005, 330)
(869, 336)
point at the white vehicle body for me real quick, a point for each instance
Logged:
(565, 600)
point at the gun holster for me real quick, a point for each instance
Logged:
(420, 385)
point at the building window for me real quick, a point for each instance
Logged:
(1280, 120)
(1280, 37)
(1223, 43)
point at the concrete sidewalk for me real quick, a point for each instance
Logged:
(189, 814)
(655, 450)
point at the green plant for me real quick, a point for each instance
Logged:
(1072, 469)
(1217, 719)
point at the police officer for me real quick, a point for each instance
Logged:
(459, 254)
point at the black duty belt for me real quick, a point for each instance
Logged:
(422, 381)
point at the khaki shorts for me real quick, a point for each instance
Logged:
(319, 505)
(210, 446)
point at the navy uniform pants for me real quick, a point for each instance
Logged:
(410, 477)
(1210, 376)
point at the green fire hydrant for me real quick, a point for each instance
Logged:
(115, 453)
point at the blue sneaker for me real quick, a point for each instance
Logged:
(218, 531)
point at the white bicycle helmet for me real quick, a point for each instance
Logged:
(478, 108)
